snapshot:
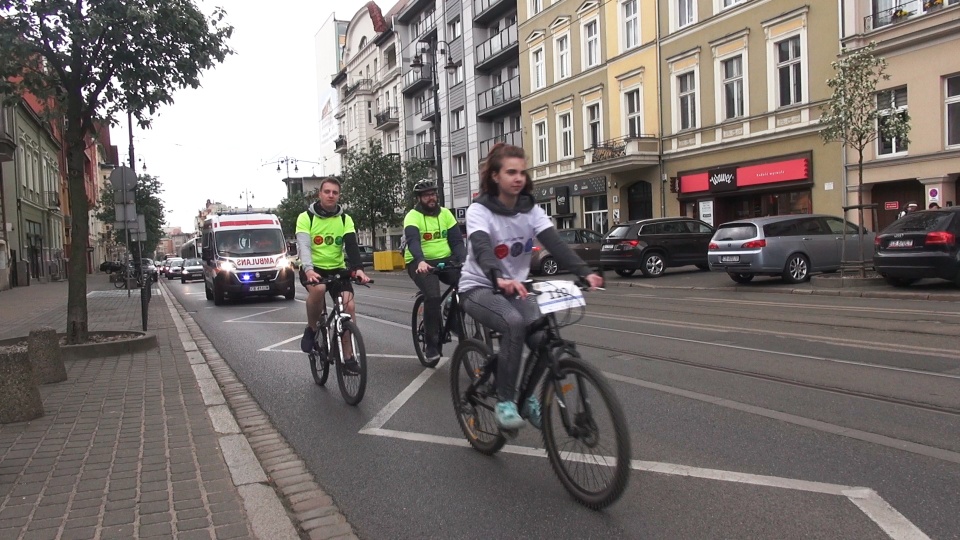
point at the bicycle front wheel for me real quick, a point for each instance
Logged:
(419, 335)
(352, 376)
(475, 410)
(586, 437)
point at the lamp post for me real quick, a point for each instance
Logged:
(438, 48)
(287, 161)
(248, 195)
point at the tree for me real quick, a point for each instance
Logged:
(856, 114)
(146, 196)
(89, 60)
(290, 209)
(376, 186)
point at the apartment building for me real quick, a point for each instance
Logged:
(329, 43)
(742, 86)
(589, 79)
(918, 39)
(8, 149)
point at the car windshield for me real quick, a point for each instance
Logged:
(735, 231)
(920, 221)
(174, 262)
(618, 232)
(193, 262)
(250, 242)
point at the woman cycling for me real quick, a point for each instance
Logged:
(501, 225)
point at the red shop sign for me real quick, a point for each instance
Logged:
(770, 173)
(891, 205)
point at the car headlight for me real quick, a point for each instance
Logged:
(227, 266)
(283, 262)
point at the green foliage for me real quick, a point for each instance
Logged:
(376, 186)
(290, 209)
(149, 203)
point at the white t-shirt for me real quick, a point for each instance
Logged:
(512, 240)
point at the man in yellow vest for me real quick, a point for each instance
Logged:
(432, 236)
(324, 232)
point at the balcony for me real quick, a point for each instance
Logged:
(421, 151)
(501, 47)
(513, 137)
(623, 154)
(53, 200)
(340, 144)
(413, 9)
(8, 143)
(413, 81)
(424, 27)
(499, 98)
(902, 12)
(427, 112)
(361, 85)
(486, 11)
(388, 118)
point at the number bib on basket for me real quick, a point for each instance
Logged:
(558, 296)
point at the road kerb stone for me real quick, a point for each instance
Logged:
(223, 421)
(267, 515)
(242, 462)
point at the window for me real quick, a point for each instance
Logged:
(732, 87)
(563, 57)
(565, 126)
(536, 6)
(458, 119)
(631, 24)
(459, 164)
(788, 71)
(539, 70)
(457, 76)
(591, 44)
(595, 213)
(634, 113)
(953, 111)
(594, 128)
(890, 102)
(687, 94)
(540, 134)
(728, 3)
(685, 14)
(454, 29)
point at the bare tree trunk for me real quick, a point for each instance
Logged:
(861, 258)
(79, 207)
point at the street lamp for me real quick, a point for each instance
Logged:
(438, 48)
(290, 161)
(248, 195)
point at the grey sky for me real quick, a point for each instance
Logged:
(260, 105)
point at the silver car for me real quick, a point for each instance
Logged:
(792, 246)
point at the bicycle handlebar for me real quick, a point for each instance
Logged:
(330, 279)
(445, 267)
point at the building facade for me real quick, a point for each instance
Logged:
(925, 83)
(8, 149)
(742, 86)
(329, 42)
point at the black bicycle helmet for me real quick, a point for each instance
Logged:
(424, 186)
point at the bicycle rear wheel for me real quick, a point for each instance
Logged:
(419, 335)
(352, 380)
(475, 412)
(586, 439)
(319, 358)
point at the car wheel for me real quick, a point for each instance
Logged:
(703, 267)
(797, 269)
(653, 265)
(625, 272)
(217, 294)
(291, 294)
(899, 282)
(740, 278)
(207, 292)
(182, 280)
(549, 266)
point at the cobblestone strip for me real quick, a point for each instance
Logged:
(312, 510)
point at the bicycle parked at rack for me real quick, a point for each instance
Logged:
(127, 273)
(453, 320)
(338, 326)
(590, 419)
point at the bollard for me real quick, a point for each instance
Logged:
(20, 399)
(43, 347)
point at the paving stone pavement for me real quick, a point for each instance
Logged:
(145, 444)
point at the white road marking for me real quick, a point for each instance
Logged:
(384, 415)
(255, 315)
(887, 517)
(269, 348)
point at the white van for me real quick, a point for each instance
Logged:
(245, 255)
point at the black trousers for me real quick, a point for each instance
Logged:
(429, 285)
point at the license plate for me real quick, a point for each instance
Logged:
(256, 288)
(900, 243)
(607, 247)
(729, 258)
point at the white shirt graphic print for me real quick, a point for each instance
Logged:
(512, 240)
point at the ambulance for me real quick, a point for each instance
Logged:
(245, 255)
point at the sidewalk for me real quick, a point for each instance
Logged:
(132, 446)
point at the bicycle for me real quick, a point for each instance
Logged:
(567, 407)
(337, 326)
(453, 320)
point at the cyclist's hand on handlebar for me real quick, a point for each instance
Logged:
(361, 277)
(594, 280)
(512, 286)
(423, 267)
(313, 278)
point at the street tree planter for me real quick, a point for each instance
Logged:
(20, 399)
(43, 348)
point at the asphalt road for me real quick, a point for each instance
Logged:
(751, 414)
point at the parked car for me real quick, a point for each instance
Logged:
(653, 245)
(111, 266)
(922, 244)
(148, 268)
(366, 255)
(584, 242)
(791, 246)
(172, 264)
(190, 269)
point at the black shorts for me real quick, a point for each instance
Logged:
(334, 288)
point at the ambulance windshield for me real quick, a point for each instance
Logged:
(250, 242)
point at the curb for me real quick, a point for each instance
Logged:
(144, 342)
(280, 495)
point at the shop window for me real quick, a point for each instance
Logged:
(595, 213)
